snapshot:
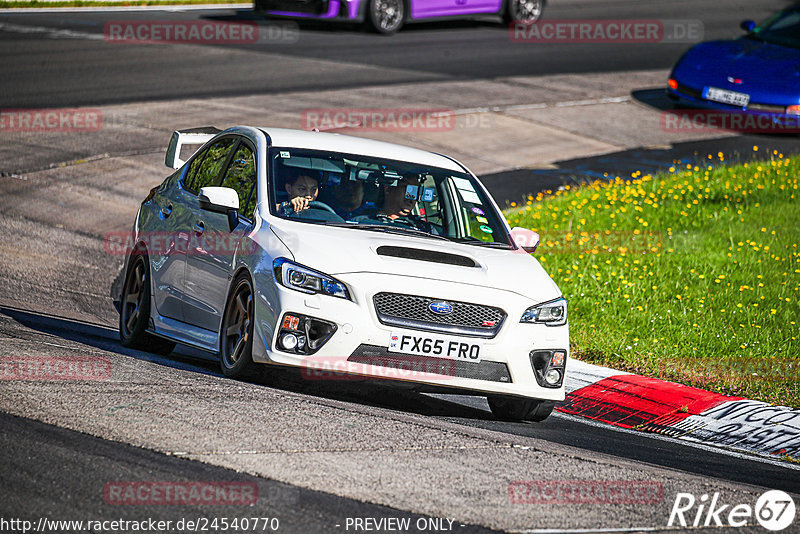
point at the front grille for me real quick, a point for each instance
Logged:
(771, 108)
(685, 89)
(412, 311)
(754, 106)
(314, 7)
(422, 365)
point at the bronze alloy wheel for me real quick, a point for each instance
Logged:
(236, 334)
(132, 297)
(135, 310)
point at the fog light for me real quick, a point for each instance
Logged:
(302, 334)
(289, 341)
(793, 110)
(553, 376)
(558, 358)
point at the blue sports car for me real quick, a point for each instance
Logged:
(758, 73)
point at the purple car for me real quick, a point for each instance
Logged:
(388, 16)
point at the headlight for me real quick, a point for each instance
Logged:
(553, 313)
(296, 276)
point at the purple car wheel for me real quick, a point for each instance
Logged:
(525, 11)
(386, 16)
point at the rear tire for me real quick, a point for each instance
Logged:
(134, 310)
(512, 409)
(236, 333)
(385, 16)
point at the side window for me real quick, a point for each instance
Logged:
(241, 176)
(209, 166)
(191, 175)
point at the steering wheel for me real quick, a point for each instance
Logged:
(314, 205)
(317, 205)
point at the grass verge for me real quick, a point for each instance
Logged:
(690, 276)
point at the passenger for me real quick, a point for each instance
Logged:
(398, 207)
(347, 198)
(302, 186)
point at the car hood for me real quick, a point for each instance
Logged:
(770, 74)
(340, 251)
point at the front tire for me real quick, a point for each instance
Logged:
(523, 11)
(236, 334)
(386, 16)
(512, 409)
(134, 310)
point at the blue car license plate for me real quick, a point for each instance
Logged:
(726, 97)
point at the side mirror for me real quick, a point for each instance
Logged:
(221, 200)
(526, 239)
(747, 25)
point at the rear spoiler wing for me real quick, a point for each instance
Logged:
(192, 136)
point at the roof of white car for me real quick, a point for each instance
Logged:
(282, 137)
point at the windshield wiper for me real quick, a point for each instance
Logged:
(469, 240)
(388, 229)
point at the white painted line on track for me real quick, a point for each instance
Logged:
(720, 449)
(565, 104)
(50, 32)
(480, 403)
(604, 530)
(593, 530)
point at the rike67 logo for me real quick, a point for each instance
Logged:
(774, 510)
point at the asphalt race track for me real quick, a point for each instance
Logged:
(320, 453)
(90, 72)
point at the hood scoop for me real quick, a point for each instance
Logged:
(432, 256)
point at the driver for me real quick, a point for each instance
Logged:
(303, 187)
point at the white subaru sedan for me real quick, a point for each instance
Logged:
(344, 257)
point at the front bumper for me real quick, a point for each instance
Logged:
(693, 98)
(359, 345)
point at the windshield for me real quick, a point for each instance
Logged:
(367, 193)
(782, 29)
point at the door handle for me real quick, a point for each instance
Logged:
(199, 227)
(166, 211)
